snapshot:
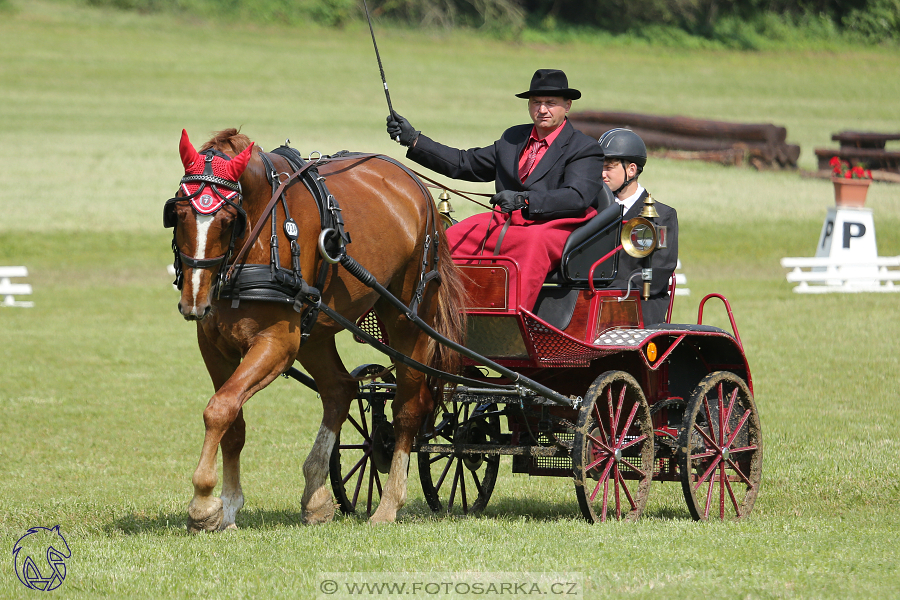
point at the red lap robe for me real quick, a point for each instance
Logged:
(535, 245)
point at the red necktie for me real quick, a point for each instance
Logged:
(536, 145)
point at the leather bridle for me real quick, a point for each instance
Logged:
(206, 180)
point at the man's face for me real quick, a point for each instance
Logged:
(548, 113)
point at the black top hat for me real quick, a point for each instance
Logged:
(550, 82)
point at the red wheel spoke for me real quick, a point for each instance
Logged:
(709, 471)
(440, 481)
(602, 479)
(737, 508)
(628, 423)
(605, 499)
(731, 404)
(617, 481)
(362, 476)
(740, 473)
(738, 428)
(453, 486)
(709, 420)
(362, 417)
(709, 494)
(722, 422)
(634, 468)
(633, 442)
(359, 463)
(603, 446)
(619, 406)
(627, 493)
(595, 463)
(722, 478)
(744, 449)
(361, 429)
(599, 421)
(462, 487)
(706, 436)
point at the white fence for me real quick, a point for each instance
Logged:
(849, 275)
(9, 290)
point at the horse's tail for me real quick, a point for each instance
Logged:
(450, 319)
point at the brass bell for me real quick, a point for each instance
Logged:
(649, 210)
(444, 209)
(444, 206)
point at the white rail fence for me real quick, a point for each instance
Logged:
(9, 290)
(819, 275)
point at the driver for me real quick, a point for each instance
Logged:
(626, 156)
(546, 175)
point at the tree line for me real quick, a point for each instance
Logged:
(872, 21)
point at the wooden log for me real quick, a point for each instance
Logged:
(687, 126)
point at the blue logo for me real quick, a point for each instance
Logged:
(51, 550)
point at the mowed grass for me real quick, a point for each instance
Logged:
(102, 387)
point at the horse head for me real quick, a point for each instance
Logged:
(207, 218)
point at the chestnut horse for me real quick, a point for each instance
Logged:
(246, 348)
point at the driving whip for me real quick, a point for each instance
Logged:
(387, 94)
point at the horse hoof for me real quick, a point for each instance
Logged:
(205, 515)
(381, 519)
(322, 514)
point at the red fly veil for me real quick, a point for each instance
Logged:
(194, 164)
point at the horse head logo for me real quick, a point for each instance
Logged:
(51, 550)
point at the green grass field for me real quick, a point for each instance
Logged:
(102, 387)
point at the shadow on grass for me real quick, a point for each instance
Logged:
(416, 510)
(167, 522)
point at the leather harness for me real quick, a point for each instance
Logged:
(273, 282)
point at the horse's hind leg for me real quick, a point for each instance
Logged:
(336, 388)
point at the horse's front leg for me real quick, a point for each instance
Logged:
(336, 388)
(224, 423)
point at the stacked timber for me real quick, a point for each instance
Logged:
(761, 145)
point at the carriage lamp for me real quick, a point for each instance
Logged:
(651, 352)
(639, 238)
(444, 209)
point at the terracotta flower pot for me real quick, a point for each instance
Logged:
(850, 192)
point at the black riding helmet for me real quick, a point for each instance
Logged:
(626, 146)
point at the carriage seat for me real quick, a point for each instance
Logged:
(585, 245)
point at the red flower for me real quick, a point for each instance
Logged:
(841, 168)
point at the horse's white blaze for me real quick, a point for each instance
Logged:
(203, 223)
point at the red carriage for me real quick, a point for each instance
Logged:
(669, 402)
(577, 387)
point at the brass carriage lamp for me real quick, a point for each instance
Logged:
(640, 238)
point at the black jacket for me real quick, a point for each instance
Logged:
(564, 183)
(662, 261)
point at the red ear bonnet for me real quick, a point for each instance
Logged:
(195, 164)
(189, 156)
(237, 164)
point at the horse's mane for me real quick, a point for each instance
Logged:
(227, 140)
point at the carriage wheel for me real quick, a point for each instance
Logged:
(612, 455)
(466, 481)
(361, 456)
(720, 449)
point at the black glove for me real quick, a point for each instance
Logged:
(400, 130)
(509, 200)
